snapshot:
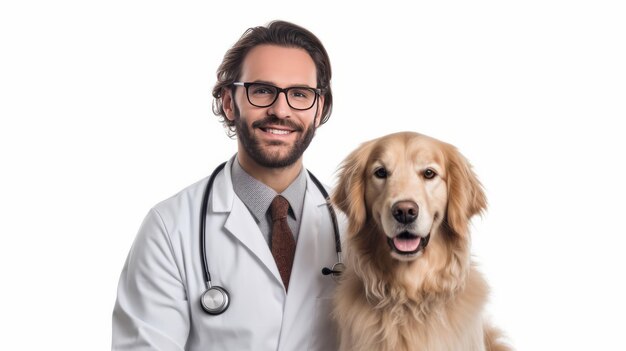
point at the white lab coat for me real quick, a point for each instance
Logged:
(158, 299)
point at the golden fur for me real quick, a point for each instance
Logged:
(432, 300)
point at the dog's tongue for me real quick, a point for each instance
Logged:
(406, 244)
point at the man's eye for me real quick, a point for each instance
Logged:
(262, 90)
(300, 93)
(381, 173)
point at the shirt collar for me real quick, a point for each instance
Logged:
(258, 196)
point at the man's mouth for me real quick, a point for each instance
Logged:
(406, 243)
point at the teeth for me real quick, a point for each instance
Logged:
(278, 131)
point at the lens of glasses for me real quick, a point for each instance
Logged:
(264, 95)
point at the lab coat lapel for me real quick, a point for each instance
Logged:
(243, 227)
(240, 222)
(303, 284)
(307, 249)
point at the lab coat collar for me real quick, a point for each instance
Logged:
(222, 194)
(312, 191)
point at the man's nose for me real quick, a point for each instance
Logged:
(280, 108)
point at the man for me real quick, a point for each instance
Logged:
(273, 91)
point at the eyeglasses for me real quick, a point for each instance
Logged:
(265, 95)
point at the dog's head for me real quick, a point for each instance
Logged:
(413, 189)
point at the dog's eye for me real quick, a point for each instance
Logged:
(381, 173)
(429, 173)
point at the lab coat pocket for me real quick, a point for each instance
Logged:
(323, 328)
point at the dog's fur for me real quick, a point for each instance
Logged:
(430, 300)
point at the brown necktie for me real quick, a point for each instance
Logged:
(283, 244)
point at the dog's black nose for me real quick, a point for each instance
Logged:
(405, 212)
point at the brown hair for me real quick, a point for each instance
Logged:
(279, 33)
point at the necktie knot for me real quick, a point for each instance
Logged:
(279, 208)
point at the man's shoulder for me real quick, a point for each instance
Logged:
(185, 199)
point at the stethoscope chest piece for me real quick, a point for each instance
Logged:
(215, 300)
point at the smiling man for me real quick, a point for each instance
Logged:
(233, 262)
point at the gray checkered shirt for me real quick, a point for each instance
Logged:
(257, 197)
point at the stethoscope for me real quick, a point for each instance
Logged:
(215, 300)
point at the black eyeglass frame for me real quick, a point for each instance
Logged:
(246, 85)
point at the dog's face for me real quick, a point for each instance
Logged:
(409, 186)
(405, 190)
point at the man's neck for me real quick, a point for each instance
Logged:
(278, 179)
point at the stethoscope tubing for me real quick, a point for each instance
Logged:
(333, 215)
(203, 215)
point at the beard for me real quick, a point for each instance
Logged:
(267, 158)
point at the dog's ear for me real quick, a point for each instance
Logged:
(349, 193)
(466, 197)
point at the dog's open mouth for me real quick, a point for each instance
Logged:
(406, 243)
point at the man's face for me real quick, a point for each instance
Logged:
(277, 135)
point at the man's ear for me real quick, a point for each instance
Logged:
(228, 104)
(318, 117)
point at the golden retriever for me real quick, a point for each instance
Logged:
(409, 282)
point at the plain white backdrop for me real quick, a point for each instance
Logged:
(105, 111)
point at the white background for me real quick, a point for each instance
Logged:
(105, 111)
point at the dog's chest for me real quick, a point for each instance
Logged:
(419, 327)
(436, 332)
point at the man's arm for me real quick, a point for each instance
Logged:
(151, 311)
